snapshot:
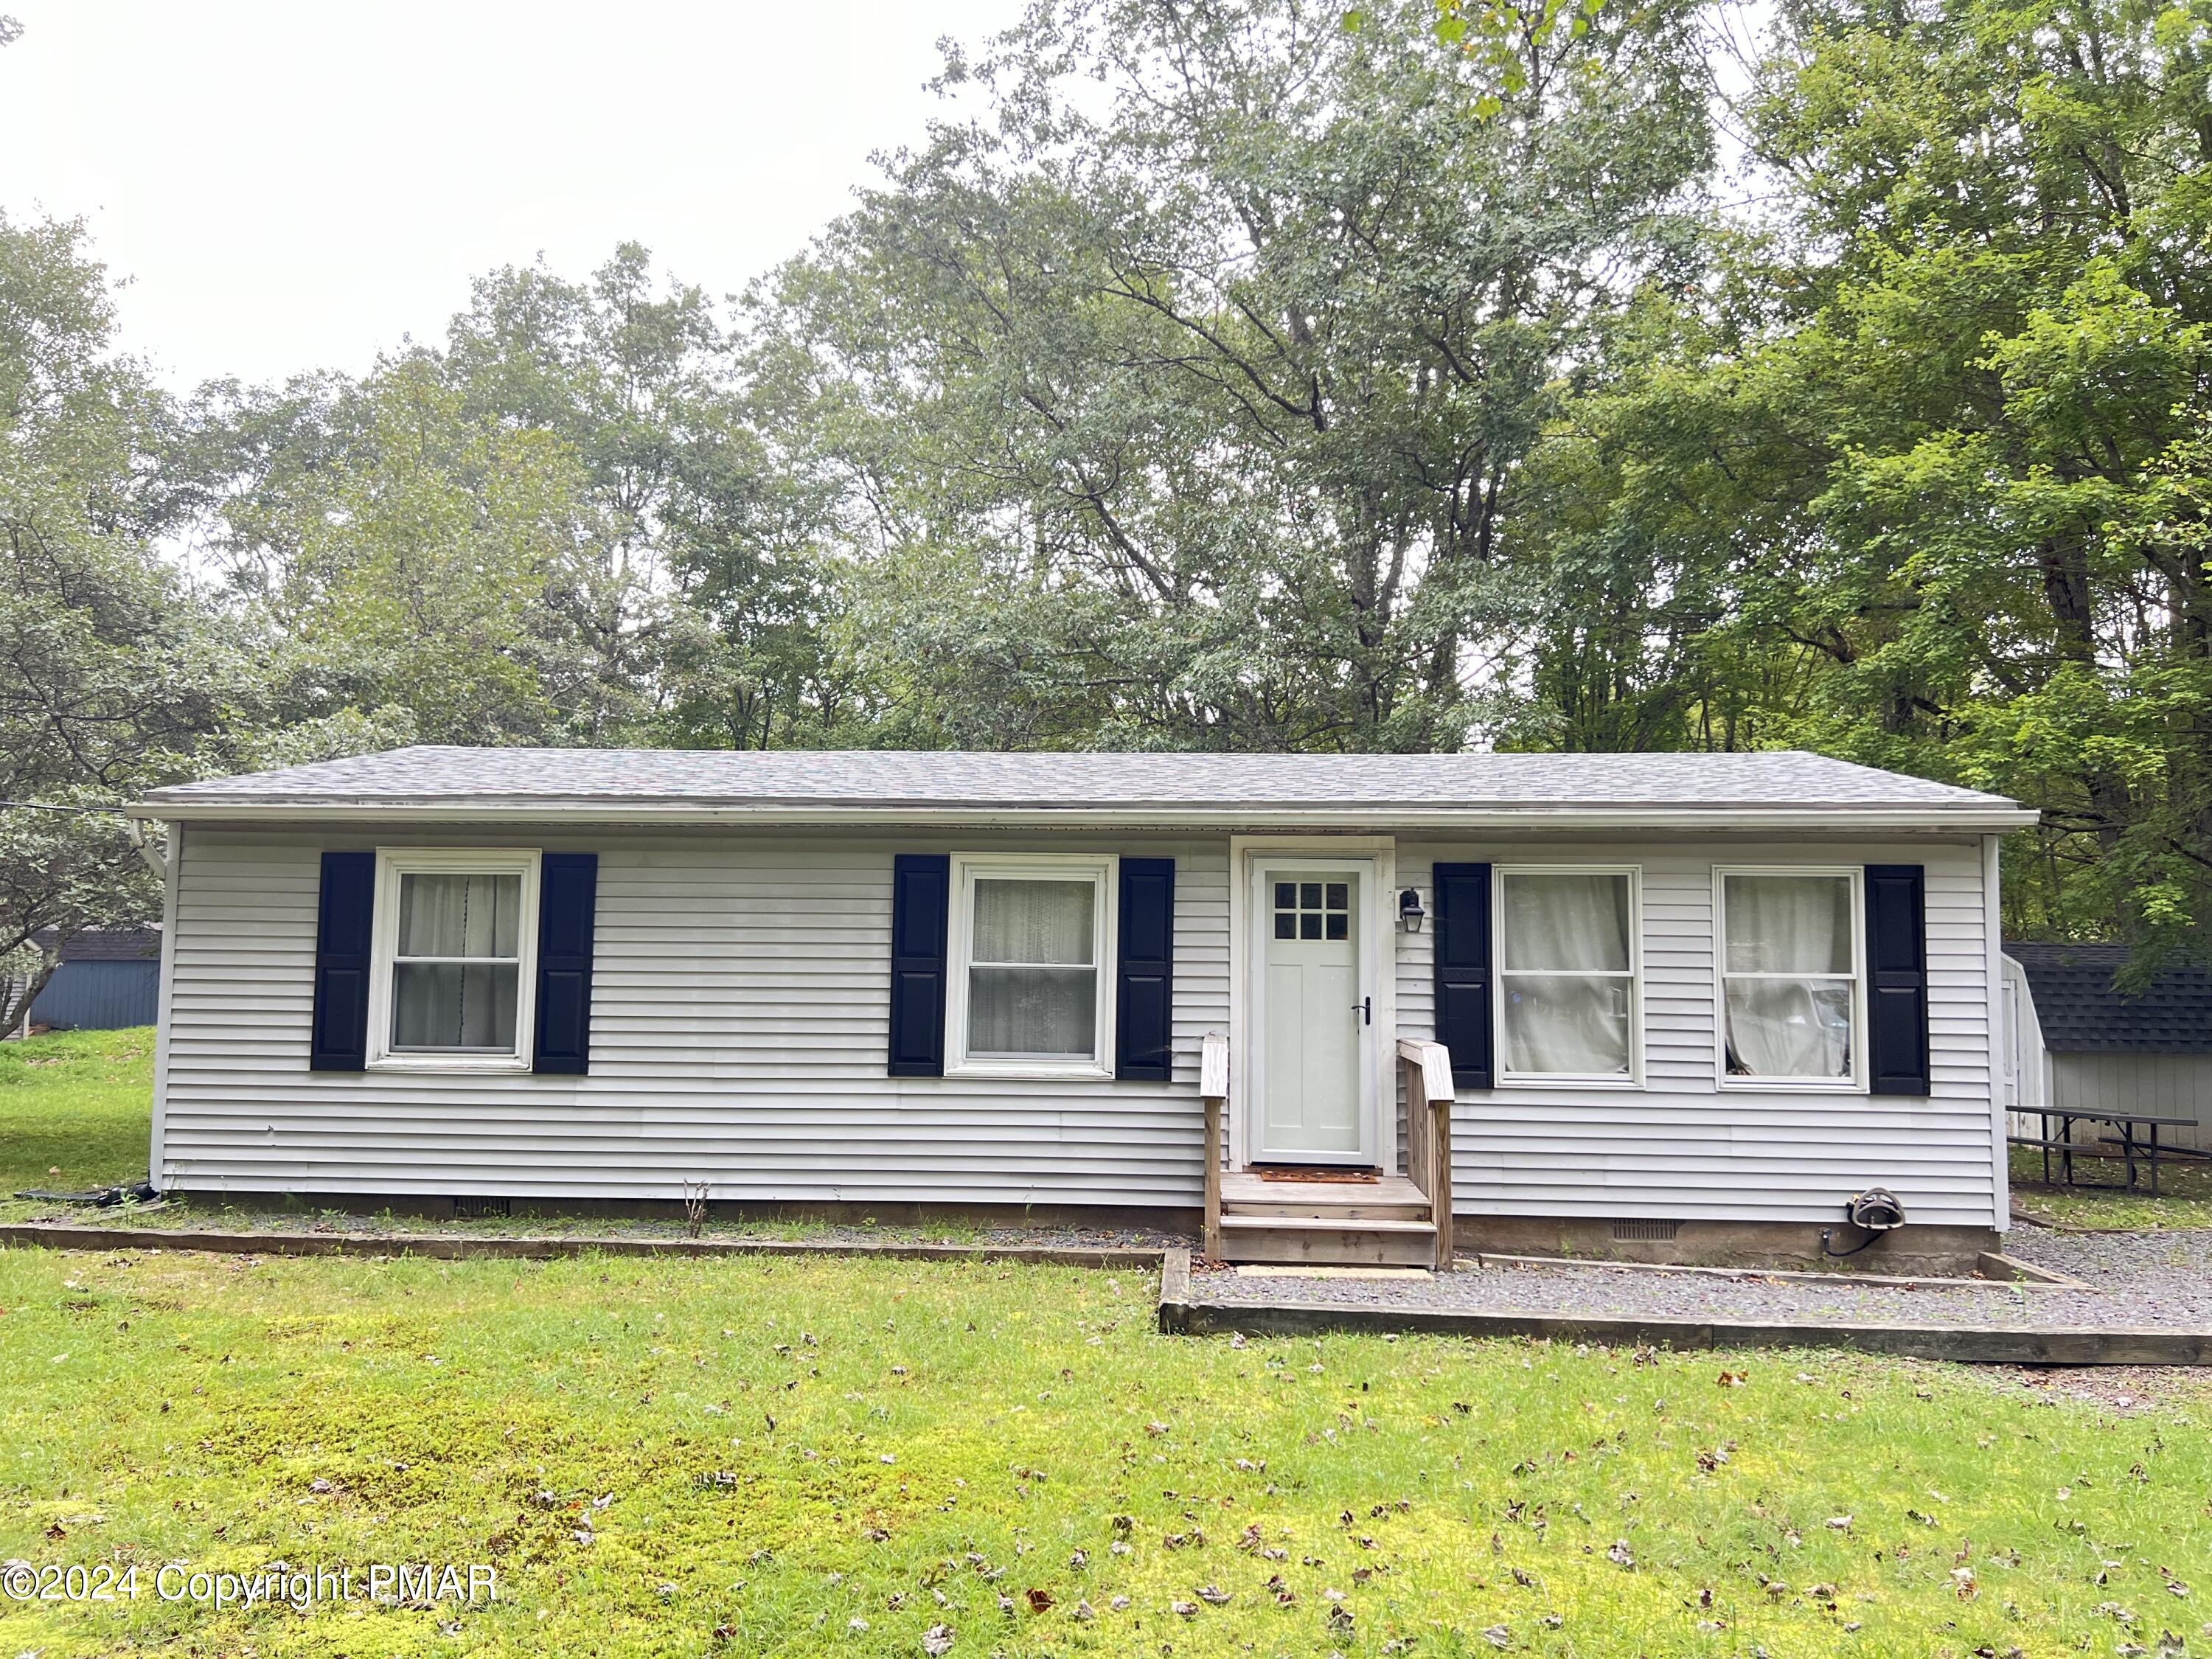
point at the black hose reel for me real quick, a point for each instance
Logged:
(1874, 1211)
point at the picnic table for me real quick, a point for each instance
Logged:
(2136, 1137)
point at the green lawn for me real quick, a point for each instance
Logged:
(820, 1456)
(2184, 1198)
(792, 1446)
(76, 1112)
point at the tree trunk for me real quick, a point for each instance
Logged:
(18, 993)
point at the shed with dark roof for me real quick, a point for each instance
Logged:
(2105, 1049)
(110, 979)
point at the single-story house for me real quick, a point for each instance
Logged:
(1671, 1004)
(2079, 1044)
(110, 978)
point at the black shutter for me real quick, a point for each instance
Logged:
(1462, 968)
(1143, 1001)
(1897, 978)
(567, 897)
(921, 906)
(339, 1040)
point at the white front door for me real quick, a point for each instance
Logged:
(1314, 1022)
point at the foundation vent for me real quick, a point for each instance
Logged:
(1638, 1232)
(480, 1209)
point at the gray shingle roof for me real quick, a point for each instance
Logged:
(1172, 782)
(106, 944)
(2082, 1013)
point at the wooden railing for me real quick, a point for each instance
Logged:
(1213, 1091)
(1429, 1095)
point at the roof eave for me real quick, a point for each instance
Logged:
(1974, 818)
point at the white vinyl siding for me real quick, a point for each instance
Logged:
(740, 1016)
(1683, 1147)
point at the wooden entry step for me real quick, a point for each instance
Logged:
(1392, 1197)
(1393, 1221)
(1330, 1241)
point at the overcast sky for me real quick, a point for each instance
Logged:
(288, 185)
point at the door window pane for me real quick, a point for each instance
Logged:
(1313, 909)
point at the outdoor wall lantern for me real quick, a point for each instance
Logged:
(1409, 909)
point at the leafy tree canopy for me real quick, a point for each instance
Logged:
(1255, 376)
(1918, 475)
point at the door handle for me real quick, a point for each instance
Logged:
(1365, 1009)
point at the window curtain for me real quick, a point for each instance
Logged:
(454, 1004)
(1574, 1023)
(457, 1005)
(459, 916)
(1569, 1024)
(1789, 1027)
(1043, 921)
(1570, 921)
(1047, 1006)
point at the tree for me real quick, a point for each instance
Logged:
(1920, 478)
(706, 589)
(1190, 421)
(560, 527)
(113, 673)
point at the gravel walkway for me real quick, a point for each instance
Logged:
(2139, 1280)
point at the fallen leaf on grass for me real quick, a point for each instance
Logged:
(937, 1639)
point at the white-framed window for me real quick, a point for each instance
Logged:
(453, 974)
(1568, 953)
(1791, 967)
(1031, 954)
